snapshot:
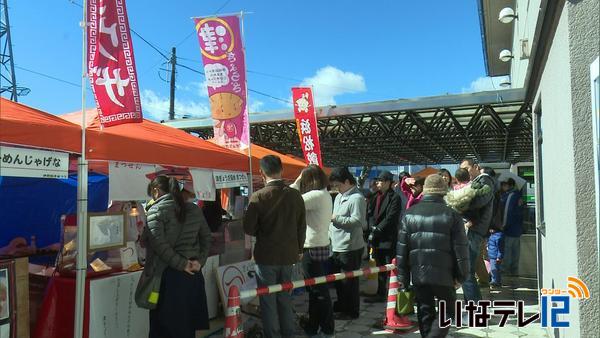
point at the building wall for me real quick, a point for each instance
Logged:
(584, 48)
(559, 244)
(524, 28)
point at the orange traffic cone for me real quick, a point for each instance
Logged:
(233, 319)
(392, 320)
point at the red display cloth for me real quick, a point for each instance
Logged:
(57, 313)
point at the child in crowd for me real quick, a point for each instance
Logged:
(464, 192)
(462, 178)
(495, 254)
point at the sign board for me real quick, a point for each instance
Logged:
(229, 179)
(128, 181)
(204, 184)
(242, 275)
(23, 162)
(113, 312)
(209, 270)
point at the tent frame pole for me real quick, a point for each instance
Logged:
(82, 196)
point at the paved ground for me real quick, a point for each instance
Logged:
(516, 289)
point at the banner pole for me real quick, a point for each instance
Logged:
(250, 177)
(82, 196)
(250, 184)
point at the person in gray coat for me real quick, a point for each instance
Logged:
(347, 242)
(432, 251)
(177, 240)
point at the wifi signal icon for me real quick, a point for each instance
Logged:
(577, 288)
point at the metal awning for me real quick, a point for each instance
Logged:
(495, 35)
(494, 126)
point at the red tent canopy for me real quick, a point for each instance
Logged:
(26, 126)
(426, 172)
(151, 142)
(291, 166)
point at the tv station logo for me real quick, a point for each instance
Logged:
(555, 305)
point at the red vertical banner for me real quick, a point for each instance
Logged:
(306, 122)
(225, 69)
(111, 65)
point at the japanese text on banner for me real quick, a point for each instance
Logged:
(111, 65)
(306, 123)
(225, 69)
(22, 162)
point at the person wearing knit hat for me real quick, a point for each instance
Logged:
(435, 185)
(434, 233)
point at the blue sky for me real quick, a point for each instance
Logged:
(350, 51)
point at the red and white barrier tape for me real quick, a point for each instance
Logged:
(265, 290)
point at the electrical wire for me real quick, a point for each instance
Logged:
(249, 89)
(189, 68)
(49, 76)
(194, 32)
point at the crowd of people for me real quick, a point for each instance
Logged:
(440, 228)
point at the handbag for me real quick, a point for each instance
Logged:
(147, 291)
(405, 301)
(148, 288)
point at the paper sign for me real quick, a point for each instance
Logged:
(204, 184)
(129, 256)
(209, 270)
(242, 275)
(128, 181)
(229, 179)
(23, 162)
(113, 312)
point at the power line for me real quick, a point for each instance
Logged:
(187, 67)
(133, 31)
(194, 32)
(249, 89)
(149, 44)
(49, 77)
(220, 8)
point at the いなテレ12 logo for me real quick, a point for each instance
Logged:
(555, 302)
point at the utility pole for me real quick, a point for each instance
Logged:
(172, 101)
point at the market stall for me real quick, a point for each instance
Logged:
(129, 147)
(34, 144)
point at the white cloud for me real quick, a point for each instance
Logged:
(255, 106)
(156, 107)
(197, 88)
(329, 82)
(485, 83)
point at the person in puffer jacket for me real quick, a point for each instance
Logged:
(495, 247)
(432, 251)
(177, 240)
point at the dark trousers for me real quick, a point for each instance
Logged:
(425, 297)
(347, 289)
(181, 308)
(320, 310)
(383, 257)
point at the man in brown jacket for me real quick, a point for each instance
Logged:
(277, 217)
